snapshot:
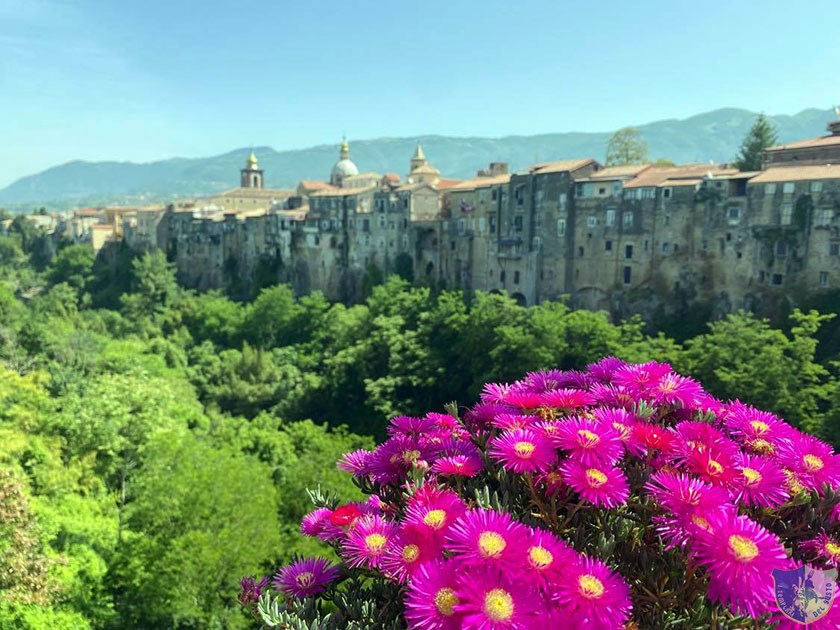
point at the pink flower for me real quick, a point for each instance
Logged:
(410, 426)
(314, 523)
(458, 466)
(545, 556)
(811, 460)
(761, 482)
(676, 391)
(510, 421)
(739, 556)
(432, 599)
(344, 515)
(567, 399)
(433, 510)
(641, 377)
(487, 537)
(305, 578)
(589, 442)
(591, 596)
(761, 432)
(604, 369)
(491, 600)
(367, 541)
(522, 450)
(356, 462)
(599, 483)
(823, 550)
(408, 551)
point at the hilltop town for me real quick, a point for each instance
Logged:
(626, 239)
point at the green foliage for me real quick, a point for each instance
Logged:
(73, 265)
(761, 135)
(626, 146)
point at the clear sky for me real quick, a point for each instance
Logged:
(151, 79)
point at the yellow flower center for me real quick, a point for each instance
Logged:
(812, 463)
(762, 446)
(410, 456)
(491, 544)
(714, 467)
(524, 449)
(588, 439)
(595, 478)
(794, 486)
(445, 601)
(742, 548)
(410, 553)
(435, 518)
(590, 586)
(752, 476)
(701, 522)
(554, 477)
(760, 427)
(375, 543)
(305, 579)
(540, 557)
(832, 548)
(622, 429)
(498, 605)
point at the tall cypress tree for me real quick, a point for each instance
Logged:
(760, 136)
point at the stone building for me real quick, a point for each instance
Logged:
(629, 239)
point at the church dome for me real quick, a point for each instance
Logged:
(344, 167)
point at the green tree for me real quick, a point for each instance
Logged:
(626, 146)
(200, 518)
(155, 288)
(761, 135)
(73, 265)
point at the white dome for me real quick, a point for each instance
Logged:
(344, 168)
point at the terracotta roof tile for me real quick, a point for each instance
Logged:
(655, 175)
(480, 182)
(797, 173)
(561, 166)
(823, 141)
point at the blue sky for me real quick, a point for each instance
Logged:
(140, 81)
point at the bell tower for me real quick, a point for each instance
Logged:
(252, 175)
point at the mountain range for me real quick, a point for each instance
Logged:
(711, 136)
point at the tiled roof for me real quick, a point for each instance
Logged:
(341, 192)
(446, 184)
(391, 177)
(824, 141)
(560, 167)
(674, 183)
(480, 182)
(656, 175)
(797, 173)
(256, 193)
(619, 172)
(309, 184)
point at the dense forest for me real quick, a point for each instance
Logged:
(156, 444)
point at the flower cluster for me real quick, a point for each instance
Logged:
(582, 499)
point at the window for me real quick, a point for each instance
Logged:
(667, 219)
(517, 223)
(777, 279)
(608, 246)
(366, 225)
(602, 190)
(519, 195)
(481, 224)
(580, 251)
(788, 188)
(666, 193)
(816, 187)
(515, 277)
(834, 249)
(561, 227)
(591, 221)
(769, 189)
(563, 201)
(627, 218)
(647, 243)
(462, 224)
(494, 195)
(405, 241)
(734, 214)
(666, 247)
(786, 214)
(382, 220)
(824, 216)
(649, 193)
(616, 189)
(628, 275)
(492, 224)
(628, 251)
(482, 196)
(452, 245)
(610, 220)
(823, 279)
(502, 275)
(781, 249)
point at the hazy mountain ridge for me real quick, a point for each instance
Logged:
(710, 136)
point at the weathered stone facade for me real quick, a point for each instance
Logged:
(633, 239)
